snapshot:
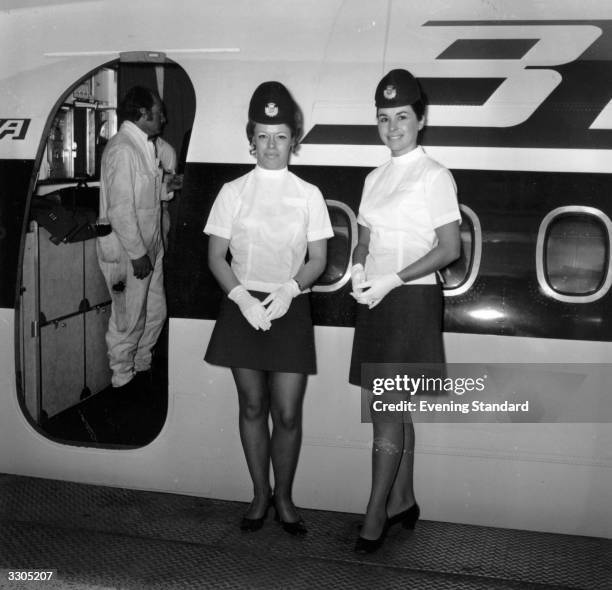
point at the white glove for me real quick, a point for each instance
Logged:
(373, 291)
(358, 277)
(251, 308)
(280, 300)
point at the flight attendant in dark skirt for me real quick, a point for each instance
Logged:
(269, 220)
(408, 229)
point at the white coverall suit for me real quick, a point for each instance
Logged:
(130, 193)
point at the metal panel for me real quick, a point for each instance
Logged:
(61, 277)
(29, 343)
(62, 364)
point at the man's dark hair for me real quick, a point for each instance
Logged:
(136, 98)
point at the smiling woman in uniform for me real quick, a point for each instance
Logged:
(269, 219)
(408, 229)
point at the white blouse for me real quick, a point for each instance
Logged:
(402, 204)
(269, 216)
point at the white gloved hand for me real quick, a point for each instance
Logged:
(375, 290)
(250, 307)
(280, 300)
(358, 277)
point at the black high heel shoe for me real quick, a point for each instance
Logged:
(252, 525)
(407, 517)
(365, 546)
(296, 528)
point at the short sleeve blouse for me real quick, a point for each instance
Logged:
(402, 204)
(269, 216)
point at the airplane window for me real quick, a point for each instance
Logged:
(339, 248)
(576, 254)
(459, 276)
(573, 254)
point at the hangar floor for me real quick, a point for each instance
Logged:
(100, 538)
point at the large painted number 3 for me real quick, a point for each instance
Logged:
(523, 90)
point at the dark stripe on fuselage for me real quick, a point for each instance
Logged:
(458, 91)
(15, 178)
(488, 49)
(510, 207)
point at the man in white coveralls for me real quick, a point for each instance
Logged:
(131, 255)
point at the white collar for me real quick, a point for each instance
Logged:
(142, 139)
(408, 158)
(270, 173)
(135, 130)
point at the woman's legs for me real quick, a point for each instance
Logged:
(287, 395)
(392, 463)
(401, 496)
(386, 455)
(254, 404)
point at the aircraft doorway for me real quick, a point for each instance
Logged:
(64, 305)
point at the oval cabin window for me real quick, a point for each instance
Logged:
(458, 277)
(339, 248)
(573, 254)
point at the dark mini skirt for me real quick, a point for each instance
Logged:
(287, 347)
(405, 327)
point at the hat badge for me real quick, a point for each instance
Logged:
(390, 92)
(271, 109)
